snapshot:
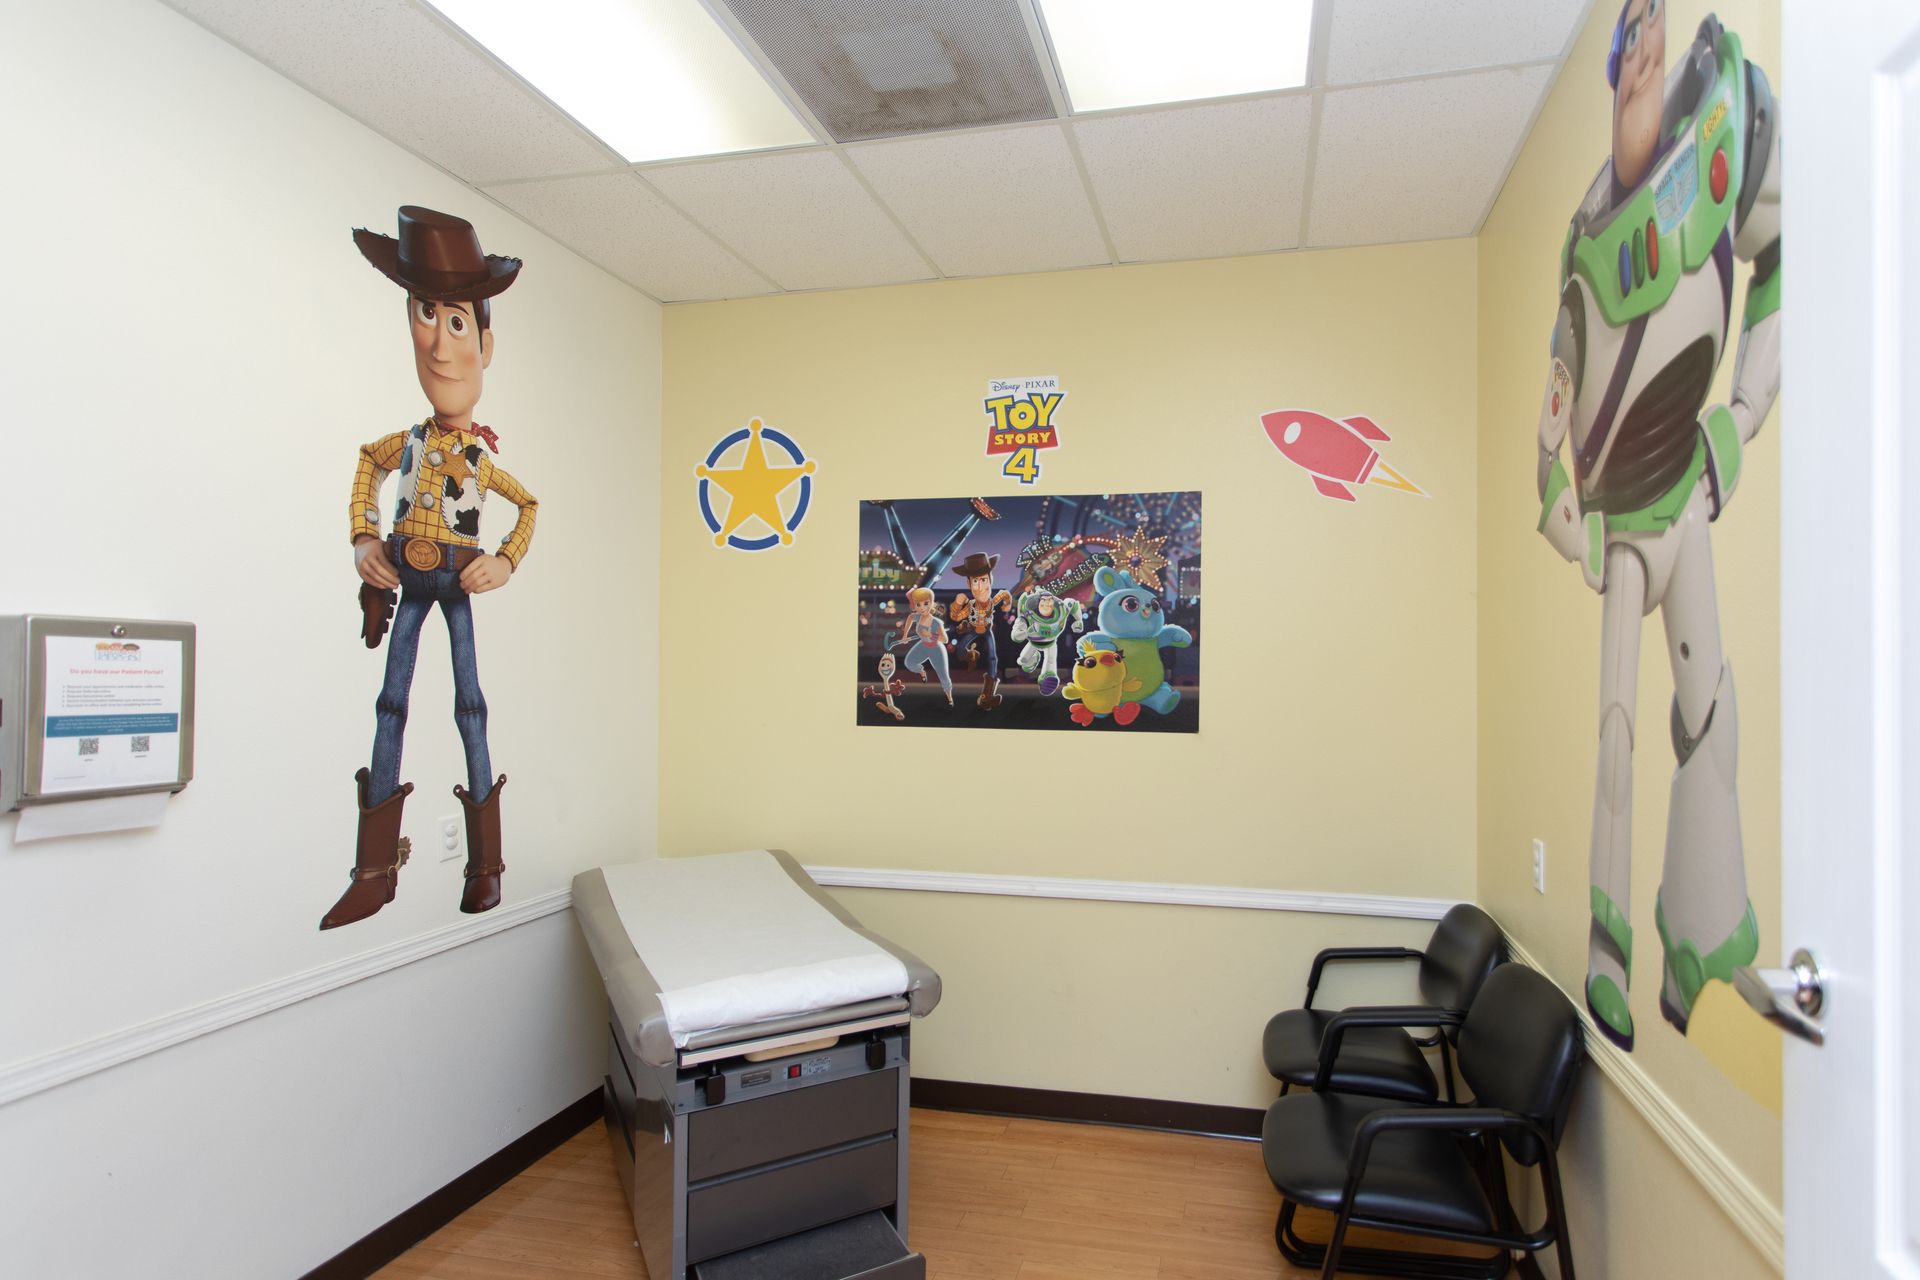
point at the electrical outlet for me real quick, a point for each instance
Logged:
(1540, 865)
(449, 837)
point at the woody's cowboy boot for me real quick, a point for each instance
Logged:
(378, 856)
(988, 698)
(484, 867)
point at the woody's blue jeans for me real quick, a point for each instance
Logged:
(419, 592)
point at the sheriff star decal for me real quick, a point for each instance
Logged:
(763, 500)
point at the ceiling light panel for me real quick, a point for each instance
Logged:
(654, 79)
(1128, 53)
(885, 68)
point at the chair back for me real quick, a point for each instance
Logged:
(1466, 946)
(1521, 1049)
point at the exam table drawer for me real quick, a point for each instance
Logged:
(724, 1139)
(862, 1248)
(753, 1208)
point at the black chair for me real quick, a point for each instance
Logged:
(1436, 1169)
(1382, 1060)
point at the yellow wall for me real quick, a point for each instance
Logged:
(1338, 640)
(1539, 639)
(1400, 693)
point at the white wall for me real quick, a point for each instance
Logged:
(193, 351)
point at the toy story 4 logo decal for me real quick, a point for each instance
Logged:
(1020, 423)
(756, 490)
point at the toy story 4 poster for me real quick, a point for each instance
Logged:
(1068, 611)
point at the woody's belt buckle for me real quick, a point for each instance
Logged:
(422, 554)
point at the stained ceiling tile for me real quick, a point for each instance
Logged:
(618, 224)
(1419, 160)
(1200, 182)
(1387, 39)
(881, 68)
(801, 217)
(992, 203)
(410, 76)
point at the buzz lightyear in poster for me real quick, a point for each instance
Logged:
(1646, 276)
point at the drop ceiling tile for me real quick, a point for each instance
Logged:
(615, 222)
(1420, 160)
(408, 75)
(1386, 39)
(994, 203)
(801, 217)
(880, 68)
(1200, 182)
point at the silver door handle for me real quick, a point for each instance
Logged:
(1789, 998)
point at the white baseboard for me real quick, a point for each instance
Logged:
(1163, 894)
(50, 1070)
(1757, 1217)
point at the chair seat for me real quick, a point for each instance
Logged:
(1376, 1060)
(1416, 1177)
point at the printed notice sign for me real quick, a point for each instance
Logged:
(112, 713)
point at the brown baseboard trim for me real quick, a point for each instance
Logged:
(1088, 1108)
(385, 1243)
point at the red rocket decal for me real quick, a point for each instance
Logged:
(1333, 453)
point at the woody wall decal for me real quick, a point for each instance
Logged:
(432, 554)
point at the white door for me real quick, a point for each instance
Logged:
(1850, 611)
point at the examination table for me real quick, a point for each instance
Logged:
(757, 1069)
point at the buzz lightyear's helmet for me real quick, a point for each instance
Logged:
(1029, 606)
(1617, 50)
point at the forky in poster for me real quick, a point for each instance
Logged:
(1334, 453)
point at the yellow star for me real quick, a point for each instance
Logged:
(1140, 556)
(754, 488)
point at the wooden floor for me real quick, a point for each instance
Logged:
(992, 1199)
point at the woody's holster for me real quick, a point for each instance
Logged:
(376, 611)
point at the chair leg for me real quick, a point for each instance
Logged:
(1334, 1245)
(1556, 1205)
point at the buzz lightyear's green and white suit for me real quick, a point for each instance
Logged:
(1645, 308)
(1040, 619)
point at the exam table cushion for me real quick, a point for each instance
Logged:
(690, 946)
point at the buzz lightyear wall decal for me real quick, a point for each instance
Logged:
(1646, 280)
(766, 498)
(432, 554)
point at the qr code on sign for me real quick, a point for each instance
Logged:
(141, 744)
(89, 746)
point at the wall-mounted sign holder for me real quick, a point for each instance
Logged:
(93, 707)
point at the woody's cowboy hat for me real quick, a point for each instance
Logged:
(976, 566)
(437, 257)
